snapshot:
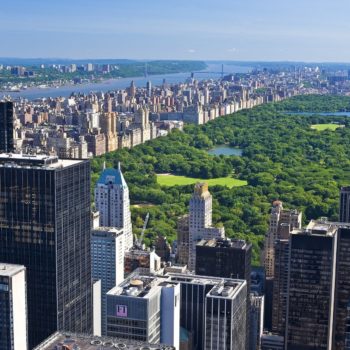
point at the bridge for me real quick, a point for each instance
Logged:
(222, 73)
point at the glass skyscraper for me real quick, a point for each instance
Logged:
(45, 226)
(6, 127)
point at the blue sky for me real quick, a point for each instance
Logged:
(307, 30)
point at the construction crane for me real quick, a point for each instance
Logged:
(140, 240)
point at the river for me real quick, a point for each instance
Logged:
(117, 84)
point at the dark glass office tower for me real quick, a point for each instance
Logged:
(342, 316)
(280, 283)
(280, 287)
(6, 127)
(344, 205)
(229, 258)
(312, 274)
(45, 226)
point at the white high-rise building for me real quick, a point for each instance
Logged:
(13, 307)
(200, 221)
(113, 203)
(107, 256)
(145, 308)
(225, 316)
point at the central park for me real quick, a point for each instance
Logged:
(300, 159)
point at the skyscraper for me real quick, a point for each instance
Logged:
(108, 122)
(200, 221)
(13, 307)
(278, 216)
(280, 283)
(344, 205)
(107, 256)
(203, 312)
(312, 276)
(342, 305)
(45, 226)
(256, 320)
(6, 127)
(183, 241)
(113, 203)
(149, 88)
(229, 258)
(225, 316)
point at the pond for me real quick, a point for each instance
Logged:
(331, 114)
(225, 150)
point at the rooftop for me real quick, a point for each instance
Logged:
(9, 270)
(112, 176)
(222, 287)
(227, 289)
(62, 341)
(320, 227)
(224, 243)
(138, 285)
(106, 231)
(43, 161)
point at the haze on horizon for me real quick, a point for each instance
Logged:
(253, 30)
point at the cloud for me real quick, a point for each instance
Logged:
(191, 50)
(233, 49)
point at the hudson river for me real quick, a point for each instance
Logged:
(117, 84)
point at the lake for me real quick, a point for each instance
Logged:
(331, 114)
(225, 150)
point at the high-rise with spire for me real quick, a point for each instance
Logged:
(113, 203)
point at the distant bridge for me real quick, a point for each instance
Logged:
(222, 73)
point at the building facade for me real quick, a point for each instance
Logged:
(278, 217)
(342, 314)
(107, 256)
(312, 275)
(200, 221)
(344, 205)
(199, 298)
(45, 226)
(183, 240)
(145, 308)
(6, 127)
(13, 307)
(229, 258)
(256, 320)
(113, 203)
(225, 317)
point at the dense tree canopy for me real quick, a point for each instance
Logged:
(283, 158)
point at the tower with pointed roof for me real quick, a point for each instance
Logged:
(113, 203)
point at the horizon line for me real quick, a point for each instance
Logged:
(172, 59)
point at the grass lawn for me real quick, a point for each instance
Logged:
(142, 205)
(321, 127)
(173, 180)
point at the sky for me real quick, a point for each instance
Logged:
(249, 30)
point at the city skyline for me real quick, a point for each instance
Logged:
(270, 31)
